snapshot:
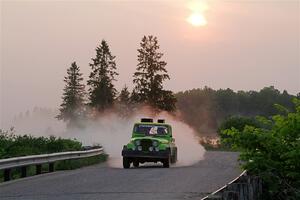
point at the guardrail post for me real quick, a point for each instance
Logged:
(38, 169)
(23, 171)
(23, 162)
(7, 174)
(51, 167)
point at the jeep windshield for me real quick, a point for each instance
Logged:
(151, 130)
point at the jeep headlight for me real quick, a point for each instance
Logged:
(156, 149)
(155, 143)
(138, 142)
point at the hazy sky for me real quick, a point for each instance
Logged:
(245, 45)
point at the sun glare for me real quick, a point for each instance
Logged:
(197, 19)
(198, 7)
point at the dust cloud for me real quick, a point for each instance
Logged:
(113, 131)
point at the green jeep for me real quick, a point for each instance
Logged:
(150, 142)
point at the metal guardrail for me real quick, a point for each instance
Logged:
(243, 187)
(38, 160)
(214, 194)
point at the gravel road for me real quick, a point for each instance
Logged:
(104, 183)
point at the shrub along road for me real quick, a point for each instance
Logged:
(102, 182)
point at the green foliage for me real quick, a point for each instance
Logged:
(150, 75)
(238, 123)
(102, 92)
(71, 109)
(77, 163)
(204, 109)
(12, 145)
(272, 153)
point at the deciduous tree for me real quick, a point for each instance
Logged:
(272, 153)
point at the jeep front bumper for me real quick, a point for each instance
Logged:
(145, 154)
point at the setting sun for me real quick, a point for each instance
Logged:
(198, 7)
(197, 19)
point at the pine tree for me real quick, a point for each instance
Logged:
(102, 92)
(124, 97)
(72, 107)
(125, 107)
(149, 76)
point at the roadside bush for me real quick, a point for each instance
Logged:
(12, 145)
(272, 153)
(237, 122)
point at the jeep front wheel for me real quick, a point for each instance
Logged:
(166, 163)
(136, 163)
(126, 163)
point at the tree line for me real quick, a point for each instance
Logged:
(205, 109)
(151, 72)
